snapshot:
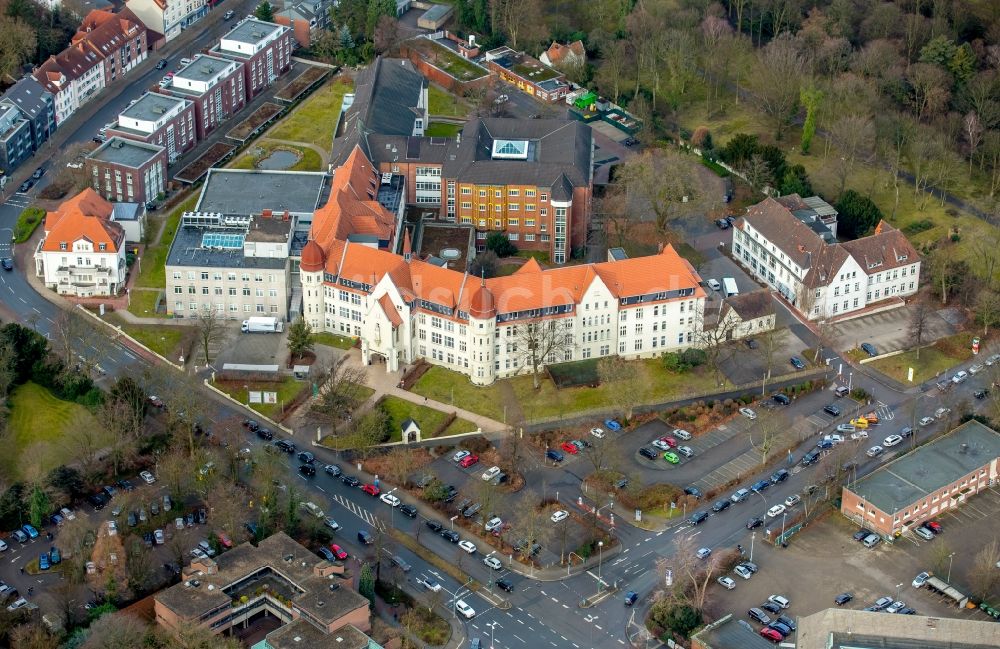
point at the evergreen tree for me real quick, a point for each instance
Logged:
(264, 12)
(366, 583)
(39, 507)
(346, 39)
(300, 338)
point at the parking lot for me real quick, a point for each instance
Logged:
(888, 331)
(826, 561)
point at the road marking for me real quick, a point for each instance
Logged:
(519, 638)
(554, 600)
(598, 627)
(564, 606)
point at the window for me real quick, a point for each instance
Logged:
(529, 237)
(529, 223)
(512, 223)
(466, 191)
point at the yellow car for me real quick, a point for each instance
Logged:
(860, 422)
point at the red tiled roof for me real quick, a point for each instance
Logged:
(390, 310)
(557, 51)
(85, 216)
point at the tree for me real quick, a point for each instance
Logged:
(988, 310)
(920, 315)
(175, 470)
(776, 80)
(32, 636)
(769, 432)
(300, 338)
(854, 136)
(660, 179)
(484, 265)
(372, 429)
(340, 392)
(346, 39)
(39, 506)
(796, 181)
(531, 524)
(188, 408)
(620, 378)
(714, 341)
(985, 575)
(810, 97)
(757, 172)
(138, 565)
(535, 344)
(517, 19)
(500, 245)
(66, 482)
(264, 12)
(400, 463)
(857, 214)
(16, 46)
(386, 33)
(211, 329)
(366, 583)
(121, 631)
(930, 89)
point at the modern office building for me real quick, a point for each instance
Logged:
(217, 87)
(918, 485)
(788, 244)
(127, 171)
(159, 119)
(264, 49)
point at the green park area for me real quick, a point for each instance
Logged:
(934, 360)
(443, 103)
(333, 340)
(287, 390)
(46, 432)
(429, 419)
(314, 120)
(442, 129)
(308, 159)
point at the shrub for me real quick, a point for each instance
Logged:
(702, 139)
(500, 244)
(476, 444)
(918, 226)
(29, 219)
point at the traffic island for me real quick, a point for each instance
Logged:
(594, 600)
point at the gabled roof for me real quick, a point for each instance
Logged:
(752, 305)
(888, 248)
(105, 32)
(85, 216)
(29, 96)
(352, 207)
(389, 309)
(557, 52)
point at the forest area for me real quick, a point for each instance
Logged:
(871, 104)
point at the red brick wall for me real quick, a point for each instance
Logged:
(442, 78)
(300, 29)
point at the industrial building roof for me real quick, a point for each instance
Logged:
(235, 191)
(127, 153)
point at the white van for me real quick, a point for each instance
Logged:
(729, 287)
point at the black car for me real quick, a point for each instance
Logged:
(350, 480)
(504, 584)
(721, 505)
(906, 610)
(202, 516)
(832, 410)
(435, 526)
(648, 453)
(754, 523)
(781, 399)
(906, 432)
(451, 493)
(979, 394)
(693, 491)
(698, 517)
(98, 500)
(265, 433)
(842, 599)
(307, 470)
(162, 63)
(333, 470)
(783, 629)
(861, 534)
(38, 173)
(133, 519)
(787, 621)
(771, 607)
(285, 446)
(797, 362)
(189, 519)
(307, 457)
(869, 349)
(251, 424)
(750, 343)
(779, 476)
(408, 510)
(110, 491)
(8, 263)
(760, 486)
(631, 597)
(810, 458)
(722, 224)
(26, 185)
(450, 535)
(147, 539)
(125, 485)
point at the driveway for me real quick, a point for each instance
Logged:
(888, 331)
(743, 365)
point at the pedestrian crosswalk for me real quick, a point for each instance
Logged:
(360, 512)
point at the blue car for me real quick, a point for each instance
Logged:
(760, 485)
(797, 362)
(54, 556)
(612, 425)
(326, 554)
(30, 531)
(554, 455)
(43, 561)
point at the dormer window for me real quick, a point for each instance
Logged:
(874, 264)
(102, 247)
(900, 257)
(63, 246)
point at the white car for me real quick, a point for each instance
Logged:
(158, 537)
(748, 413)
(560, 515)
(941, 412)
(743, 571)
(461, 455)
(891, 440)
(198, 553)
(835, 438)
(992, 359)
(597, 432)
(67, 514)
(779, 600)
(727, 582)
(493, 562)
(390, 500)
(874, 451)
(960, 377)
(776, 511)
(430, 584)
(846, 428)
(680, 433)
(714, 284)
(976, 369)
(686, 451)
(19, 603)
(147, 477)
(793, 500)
(920, 580)
(660, 444)
(468, 546)
(112, 528)
(703, 553)
(493, 523)
(467, 611)
(491, 473)
(860, 434)
(3, 546)
(926, 421)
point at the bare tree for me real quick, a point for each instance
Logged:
(512, 451)
(920, 315)
(715, 342)
(777, 78)
(400, 464)
(694, 575)
(757, 172)
(187, 407)
(659, 180)
(367, 433)
(535, 344)
(176, 471)
(531, 524)
(985, 575)
(138, 565)
(988, 310)
(211, 330)
(854, 136)
(600, 453)
(122, 631)
(341, 390)
(768, 432)
(620, 378)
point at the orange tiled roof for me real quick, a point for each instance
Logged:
(390, 310)
(85, 216)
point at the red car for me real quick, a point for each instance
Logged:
(224, 540)
(669, 441)
(933, 526)
(771, 634)
(338, 551)
(468, 461)
(570, 448)
(371, 490)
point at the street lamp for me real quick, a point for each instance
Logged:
(898, 586)
(600, 561)
(492, 626)
(783, 516)
(951, 557)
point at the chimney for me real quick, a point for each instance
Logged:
(285, 216)
(472, 40)
(266, 214)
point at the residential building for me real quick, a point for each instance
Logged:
(159, 119)
(279, 578)
(168, 17)
(82, 251)
(404, 309)
(564, 56)
(216, 86)
(132, 218)
(844, 628)
(265, 49)
(16, 141)
(747, 315)
(73, 77)
(795, 253)
(232, 254)
(119, 41)
(527, 73)
(127, 171)
(36, 105)
(306, 19)
(936, 477)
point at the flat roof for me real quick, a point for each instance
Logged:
(129, 153)
(188, 249)
(152, 106)
(237, 191)
(252, 31)
(732, 633)
(437, 12)
(837, 628)
(299, 634)
(923, 471)
(204, 68)
(269, 229)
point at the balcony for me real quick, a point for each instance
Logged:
(99, 272)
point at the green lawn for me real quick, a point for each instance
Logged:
(29, 219)
(442, 129)
(540, 256)
(43, 433)
(309, 160)
(288, 388)
(453, 388)
(152, 273)
(315, 119)
(454, 64)
(427, 418)
(142, 302)
(162, 339)
(939, 358)
(442, 102)
(333, 340)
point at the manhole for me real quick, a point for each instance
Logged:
(450, 254)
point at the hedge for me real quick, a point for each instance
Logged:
(27, 222)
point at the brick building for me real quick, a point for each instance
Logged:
(446, 60)
(265, 49)
(127, 171)
(215, 85)
(306, 18)
(162, 120)
(527, 73)
(73, 77)
(119, 41)
(166, 18)
(937, 477)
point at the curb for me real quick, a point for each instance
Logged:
(243, 406)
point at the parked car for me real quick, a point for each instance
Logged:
(780, 399)
(869, 349)
(779, 476)
(559, 516)
(739, 495)
(776, 511)
(760, 485)
(597, 432)
(554, 455)
(371, 490)
(612, 425)
(934, 526)
(771, 634)
(891, 440)
(408, 510)
(338, 552)
(743, 571)
(703, 553)
(923, 533)
(468, 546)
(874, 451)
(698, 518)
(671, 457)
(921, 579)
(228, 15)
(492, 562)
(727, 582)
(759, 615)
(797, 362)
(832, 410)
(792, 500)
(390, 500)
(450, 535)
(748, 413)
(647, 453)
(721, 505)
(926, 421)
(960, 377)
(686, 451)
(680, 433)
(569, 448)
(754, 523)
(842, 599)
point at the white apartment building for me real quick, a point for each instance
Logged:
(798, 257)
(168, 17)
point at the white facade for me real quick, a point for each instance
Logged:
(251, 36)
(90, 82)
(80, 270)
(168, 17)
(218, 67)
(145, 125)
